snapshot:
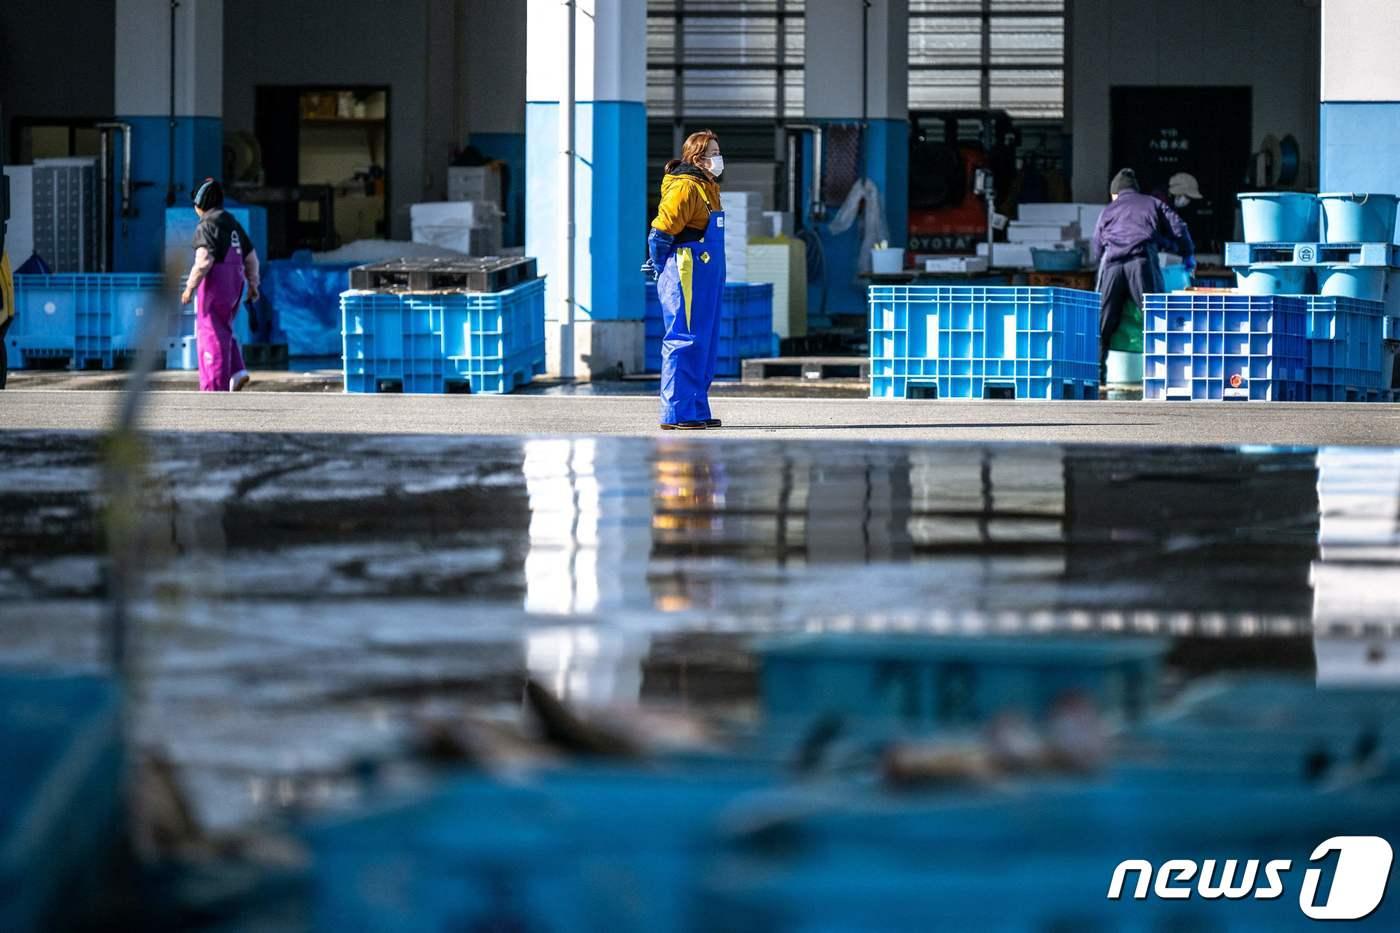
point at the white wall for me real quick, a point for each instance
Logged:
(1359, 54)
(143, 58)
(1273, 46)
(833, 54)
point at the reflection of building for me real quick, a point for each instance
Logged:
(590, 523)
(1356, 581)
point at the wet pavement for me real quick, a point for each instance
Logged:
(305, 595)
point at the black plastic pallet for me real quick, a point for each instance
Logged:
(486, 274)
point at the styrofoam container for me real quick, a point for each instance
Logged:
(1267, 279)
(1048, 213)
(1021, 232)
(887, 261)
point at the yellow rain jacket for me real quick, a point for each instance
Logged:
(688, 195)
(7, 289)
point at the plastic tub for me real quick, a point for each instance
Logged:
(1365, 282)
(887, 261)
(1279, 217)
(1175, 278)
(1358, 218)
(1057, 260)
(1124, 368)
(1265, 279)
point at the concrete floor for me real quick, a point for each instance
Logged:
(773, 418)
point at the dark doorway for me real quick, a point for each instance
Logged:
(1205, 132)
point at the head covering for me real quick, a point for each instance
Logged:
(1125, 180)
(209, 194)
(1184, 185)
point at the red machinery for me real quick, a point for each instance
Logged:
(946, 150)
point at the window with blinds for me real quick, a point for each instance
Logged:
(724, 59)
(1002, 54)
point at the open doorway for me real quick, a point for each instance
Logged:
(327, 148)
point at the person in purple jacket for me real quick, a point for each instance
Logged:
(224, 261)
(1130, 233)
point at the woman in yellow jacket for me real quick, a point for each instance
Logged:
(685, 249)
(7, 310)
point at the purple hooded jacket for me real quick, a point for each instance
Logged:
(1136, 222)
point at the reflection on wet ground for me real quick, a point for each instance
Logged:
(305, 593)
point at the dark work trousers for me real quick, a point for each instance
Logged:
(4, 361)
(1119, 281)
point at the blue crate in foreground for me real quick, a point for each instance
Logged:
(1225, 347)
(90, 320)
(61, 813)
(973, 342)
(435, 342)
(1345, 350)
(924, 683)
(746, 326)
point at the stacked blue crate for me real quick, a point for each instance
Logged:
(89, 320)
(746, 326)
(437, 342)
(1345, 350)
(983, 342)
(1208, 346)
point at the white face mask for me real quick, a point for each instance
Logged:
(716, 165)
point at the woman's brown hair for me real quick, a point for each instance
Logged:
(693, 150)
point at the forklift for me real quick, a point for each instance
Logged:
(954, 157)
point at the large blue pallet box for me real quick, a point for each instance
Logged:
(434, 342)
(61, 815)
(746, 326)
(973, 342)
(1345, 350)
(935, 683)
(88, 319)
(1213, 347)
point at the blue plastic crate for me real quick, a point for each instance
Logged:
(1241, 347)
(92, 320)
(933, 683)
(443, 341)
(746, 326)
(1346, 356)
(972, 342)
(61, 813)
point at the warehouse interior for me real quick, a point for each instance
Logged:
(699, 466)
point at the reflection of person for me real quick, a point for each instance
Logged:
(7, 311)
(686, 251)
(224, 259)
(1126, 240)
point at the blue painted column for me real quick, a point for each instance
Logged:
(609, 168)
(1360, 120)
(833, 30)
(143, 52)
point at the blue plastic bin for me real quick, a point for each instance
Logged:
(1279, 217)
(1346, 353)
(1202, 347)
(91, 320)
(932, 683)
(1366, 283)
(1267, 279)
(973, 342)
(1358, 218)
(443, 341)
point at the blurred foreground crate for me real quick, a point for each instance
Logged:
(1225, 347)
(62, 810)
(439, 342)
(83, 321)
(974, 342)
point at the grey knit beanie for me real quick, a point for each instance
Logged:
(1126, 180)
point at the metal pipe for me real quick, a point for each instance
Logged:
(170, 178)
(566, 332)
(104, 198)
(816, 208)
(125, 129)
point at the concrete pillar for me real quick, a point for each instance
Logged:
(833, 95)
(142, 80)
(609, 177)
(1360, 96)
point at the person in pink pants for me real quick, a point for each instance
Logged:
(224, 261)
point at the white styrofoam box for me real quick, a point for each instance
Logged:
(483, 239)
(777, 223)
(19, 233)
(452, 213)
(956, 264)
(1009, 255)
(783, 264)
(1089, 217)
(474, 183)
(1022, 232)
(1049, 213)
(741, 200)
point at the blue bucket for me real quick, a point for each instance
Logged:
(1175, 279)
(1264, 279)
(1359, 218)
(1365, 282)
(1279, 217)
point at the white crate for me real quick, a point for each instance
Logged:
(1022, 232)
(474, 183)
(783, 264)
(453, 213)
(1049, 213)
